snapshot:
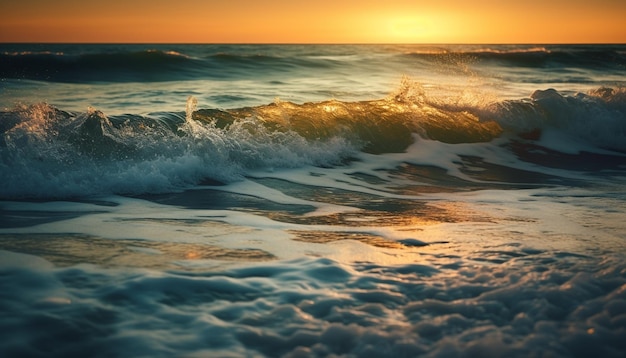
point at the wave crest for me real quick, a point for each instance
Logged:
(48, 152)
(597, 117)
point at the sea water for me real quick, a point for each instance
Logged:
(312, 200)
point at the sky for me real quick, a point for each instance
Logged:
(319, 21)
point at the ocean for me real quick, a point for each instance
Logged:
(312, 200)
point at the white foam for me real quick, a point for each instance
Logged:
(444, 306)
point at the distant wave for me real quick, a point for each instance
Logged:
(107, 67)
(270, 62)
(68, 64)
(538, 56)
(146, 65)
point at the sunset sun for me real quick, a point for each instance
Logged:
(324, 21)
(411, 29)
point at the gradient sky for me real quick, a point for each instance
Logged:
(318, 21)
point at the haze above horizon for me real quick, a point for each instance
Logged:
(323, 21)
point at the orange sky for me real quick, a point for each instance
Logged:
(318, 21)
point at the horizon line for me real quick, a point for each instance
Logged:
(302, 43)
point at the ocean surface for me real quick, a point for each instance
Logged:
(312, 200)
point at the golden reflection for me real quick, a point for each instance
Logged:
(383, 125)
(390, 213)
(67, 250)
(192, 255)
(323, 237)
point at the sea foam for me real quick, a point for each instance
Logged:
(319, 307)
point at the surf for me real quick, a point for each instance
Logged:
(315, 200)
(47, 151)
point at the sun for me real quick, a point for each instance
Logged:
(409, 29)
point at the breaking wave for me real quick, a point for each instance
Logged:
(48, 152)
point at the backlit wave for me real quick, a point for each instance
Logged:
(46, 151)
